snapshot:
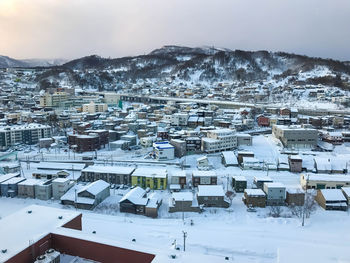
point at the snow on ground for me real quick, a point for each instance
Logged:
(219, 233)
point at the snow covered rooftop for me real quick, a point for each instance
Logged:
(333, 195)
(29, 182)
(262, 178)
(274, 185)
(95, 187)
(346, 190)
(6, 177)
(254, 192)
(197, 173)
(14, 180)
(150, 172)
(210, 190)
(135, 196)
(21, 227)
(239, 178)
(60, 166)
(109, 169)
(183, 196)
(180, 173)
(230, 157)
(328, 178)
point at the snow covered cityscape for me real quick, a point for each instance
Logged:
(177, 154)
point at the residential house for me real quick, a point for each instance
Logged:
(212, 196)
(295, 197)
(136, 202)
(88, 196)
(295, 163)
(228, 158)
(203, 163)
(260, 180)
(275, 193)
(183, 202)
(254, 198)
(204, 178)
(178, 180)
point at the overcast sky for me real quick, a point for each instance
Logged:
(114, 28)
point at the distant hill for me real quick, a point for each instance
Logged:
(7, 62)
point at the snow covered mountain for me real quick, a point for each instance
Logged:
(198, 65)
(7, 62)
(206, 64)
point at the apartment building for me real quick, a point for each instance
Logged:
(27, 134)
(163, 151)
(219, 140)
(56, 99)
(93, 107)
(154, 178)
(179, 119)
(110, 174)
(295, 136)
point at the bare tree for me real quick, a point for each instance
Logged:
(309, 205)
(275, 211)
(307, 209)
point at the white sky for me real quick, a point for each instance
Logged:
(114, 28)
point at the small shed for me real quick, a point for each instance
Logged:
(332, 199)
(239, 183)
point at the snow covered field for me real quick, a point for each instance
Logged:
(220, 233)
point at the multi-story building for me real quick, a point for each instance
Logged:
(179, 147)
(93, 107)
(56, 99)
(179, 119)
(193, 144)
(91, 141)
(154, 178)
(27, 134)
(110, 174)
(295, 136)
(219, 140)
(163, 151)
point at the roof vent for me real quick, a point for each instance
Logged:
(94, 232)
(29, 211)
(60, 217)
(41, 257)
(3, 251)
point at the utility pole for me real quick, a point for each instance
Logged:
(75, 198)
(183, 212)
(305, 199)
(185, 235)
(228, 179)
